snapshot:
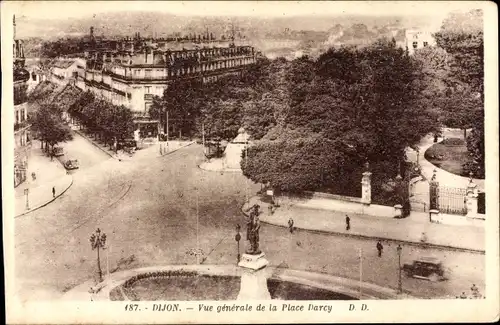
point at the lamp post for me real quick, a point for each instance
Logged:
(400, 284)
(360, 273)
(97, 241)
(26, 192)
(237, 237)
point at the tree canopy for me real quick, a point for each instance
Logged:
(47, 124)
(350, 106)
(461, 36)
(101, 116)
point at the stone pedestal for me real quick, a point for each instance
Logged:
(398, 211)
(366, 188)
(435, 217)
(253, 262)
(471, 200)
(254, 285)
(253, 280)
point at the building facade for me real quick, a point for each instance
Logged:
(65, 71)
(132, 71)
(417, 39)
(22, 139)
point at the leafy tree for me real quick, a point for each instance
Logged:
(461, 35)
(221, 119)
(475, 146)
(350, 106)
(48, 126)
(182, 100)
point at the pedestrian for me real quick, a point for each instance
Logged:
(53, 191)
(347, 222)
(290, 225)
(475, 291)
(380, 247)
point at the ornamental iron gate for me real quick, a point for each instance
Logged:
(449, 200)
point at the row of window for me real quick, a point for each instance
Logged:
(415, 44)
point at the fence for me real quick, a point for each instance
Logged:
(451, 200)
(481, 203)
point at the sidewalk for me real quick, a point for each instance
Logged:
(408, 230)
(346, 286)
(217, 165)
(152, 151)
(443, 177)
(49, 174)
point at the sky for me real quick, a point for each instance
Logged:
(63, 9)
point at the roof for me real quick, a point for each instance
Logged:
(242, 137)
(428, 259)
(63, 64)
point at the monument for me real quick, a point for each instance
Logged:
(254, 279)
(232, 154)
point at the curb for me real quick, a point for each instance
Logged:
(94, 144)
(221, 170)
(46, 203)
(367, 237)
(334, 283)
(187, 145)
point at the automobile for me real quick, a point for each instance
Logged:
(71, 164)
(427, 268)
(58, 151)
(127, 143)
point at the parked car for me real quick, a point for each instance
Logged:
(428, 268)
(58, 151)
(71, 164)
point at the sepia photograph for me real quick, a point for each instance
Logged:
(250, 162)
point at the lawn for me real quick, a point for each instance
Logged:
(190, 288)
(450, 155)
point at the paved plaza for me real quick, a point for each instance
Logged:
(161, 211)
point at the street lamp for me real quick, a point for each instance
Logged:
(26, 192)
(97, 241)
(400, 284)
(238, 238)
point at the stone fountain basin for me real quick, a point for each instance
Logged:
(222, 282)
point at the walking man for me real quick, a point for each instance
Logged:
(53, 191)
(347, 222)
(475, 291)
(379, 248)
(290, 225)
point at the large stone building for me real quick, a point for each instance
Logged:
(65, 71)
(132, 71)
(417, 39)
(22, 144)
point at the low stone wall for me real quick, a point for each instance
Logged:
(347, 204)
(457, 220)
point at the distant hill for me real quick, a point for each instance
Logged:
(162, 24)
(276, 35)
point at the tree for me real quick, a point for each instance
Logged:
(182, 100)
(221, 119)
(49, 127)
(461, 35)
(349, 106)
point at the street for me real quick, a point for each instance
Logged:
(80, 149)
(158, 211)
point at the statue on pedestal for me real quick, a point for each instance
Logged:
(253, 227)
